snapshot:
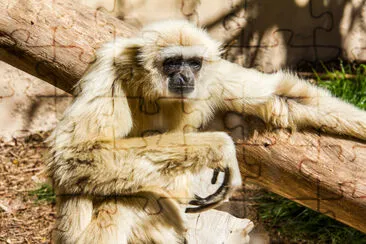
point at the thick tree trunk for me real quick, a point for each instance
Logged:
(326, 173)
(56, 40)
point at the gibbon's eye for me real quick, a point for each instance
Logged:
(171, 65)
(195, 63)
(173, 61)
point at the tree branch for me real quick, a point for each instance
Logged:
(54, 40)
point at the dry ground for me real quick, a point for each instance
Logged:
(23, 219)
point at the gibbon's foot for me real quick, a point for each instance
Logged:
(213, 199)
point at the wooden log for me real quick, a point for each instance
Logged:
(326, 173)
(56, 40)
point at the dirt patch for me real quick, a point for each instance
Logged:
(23, 218)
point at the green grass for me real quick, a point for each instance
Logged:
(347, 83)
(296, 223)
(44, 193)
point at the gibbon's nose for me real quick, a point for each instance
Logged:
(183, 80)
(181, 83)
(187, 77)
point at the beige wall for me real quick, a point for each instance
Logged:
(266, 34)
(27, 104)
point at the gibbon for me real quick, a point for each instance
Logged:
(131, 136)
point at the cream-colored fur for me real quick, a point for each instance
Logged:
(107, 172)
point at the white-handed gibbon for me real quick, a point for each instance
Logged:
(107, 161)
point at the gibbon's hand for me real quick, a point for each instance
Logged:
(214, 199)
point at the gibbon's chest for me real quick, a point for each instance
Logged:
(153, 117)
(166, 115)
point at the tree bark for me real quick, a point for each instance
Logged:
(56, 40)
(326, 173)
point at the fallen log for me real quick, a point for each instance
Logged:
(56, 40)
(326, 173)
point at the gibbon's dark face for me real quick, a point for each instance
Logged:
(182, 73)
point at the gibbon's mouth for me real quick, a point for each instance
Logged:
(180, 89)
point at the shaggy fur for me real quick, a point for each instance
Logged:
(108, 174)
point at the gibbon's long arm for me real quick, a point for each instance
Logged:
(126, 166)
(285, 101)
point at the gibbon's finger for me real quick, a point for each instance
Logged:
(213, 199)
(202, 208)
(215, 175)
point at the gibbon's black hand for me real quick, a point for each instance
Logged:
(213, 199)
